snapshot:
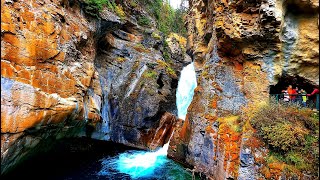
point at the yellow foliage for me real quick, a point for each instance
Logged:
(119, 11)
(231, 121)
(120, 59)
(181, 40)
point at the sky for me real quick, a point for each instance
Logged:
(176, 3)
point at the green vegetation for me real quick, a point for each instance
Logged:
(156, 35)
(144, 21)
(166, 55)
(168, 19)
(169, 70)
(283, 135)
(133, 3)
(291, 132)
(150, 74)
(95, 6)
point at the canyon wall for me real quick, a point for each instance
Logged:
(240, 50)
(70, 70)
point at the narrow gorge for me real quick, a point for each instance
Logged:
(137, 89)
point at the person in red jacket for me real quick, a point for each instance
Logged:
(315, 91)
(291, 91)
(314, 98)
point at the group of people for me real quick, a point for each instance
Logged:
(300, 96)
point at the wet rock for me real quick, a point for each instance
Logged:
(164, 131)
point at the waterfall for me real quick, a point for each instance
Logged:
(187, 84)
(140, 164)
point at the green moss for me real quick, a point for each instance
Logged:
(150, 74)
(232, 122)
(166, 55)
(169, 70)
(156, 35)
(93, 7)
(133, 3)
(274, 157)
(96, 4)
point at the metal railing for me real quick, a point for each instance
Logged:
(312, 101)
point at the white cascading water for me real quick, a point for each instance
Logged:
(187, 84)
(139, 164)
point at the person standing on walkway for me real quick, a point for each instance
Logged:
(314, 98)
(290, 92)
(298, 98)
(286, 97)
(304, 98)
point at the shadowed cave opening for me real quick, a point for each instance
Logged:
(296, 81)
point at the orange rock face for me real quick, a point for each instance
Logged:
(47, 53)
(34, 55)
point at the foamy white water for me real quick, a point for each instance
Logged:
(187, 84)
(137, 164)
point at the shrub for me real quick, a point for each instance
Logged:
(272, 113)
(96, 4)
(166, 55)
(291, 132)
(283, 135)
(171, 71)
(144, 21)
(297, 160)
